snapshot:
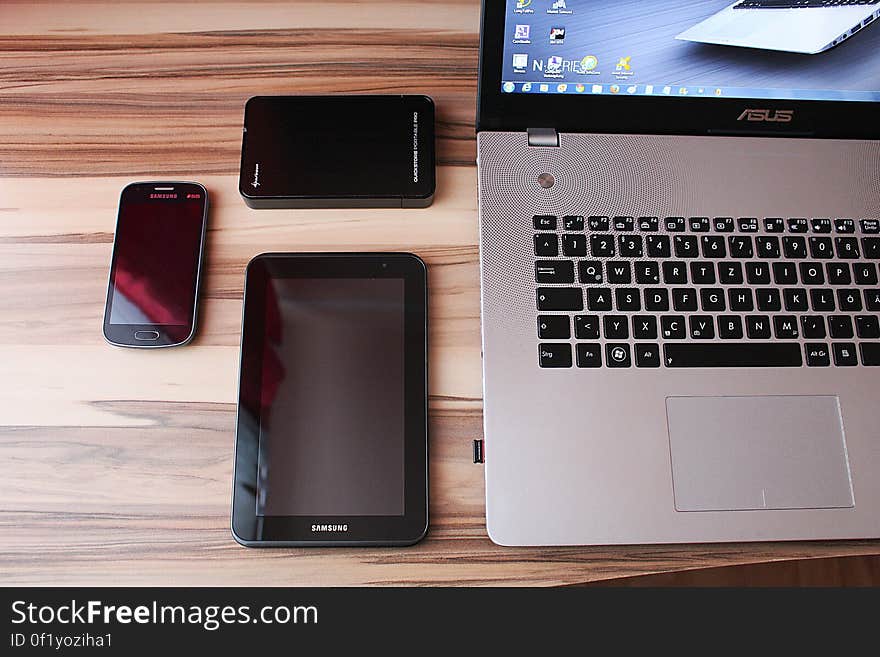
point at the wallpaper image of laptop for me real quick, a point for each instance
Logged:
(799, 26)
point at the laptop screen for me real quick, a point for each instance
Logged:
(773, 49)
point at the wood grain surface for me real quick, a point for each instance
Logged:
(117, 464)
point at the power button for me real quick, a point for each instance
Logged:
(146, 335)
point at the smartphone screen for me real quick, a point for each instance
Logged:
(154, 274)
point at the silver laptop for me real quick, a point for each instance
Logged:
(679, 267)
(800, 26)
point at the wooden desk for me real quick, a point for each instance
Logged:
(117, 464)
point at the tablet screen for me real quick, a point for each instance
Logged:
(331, 437)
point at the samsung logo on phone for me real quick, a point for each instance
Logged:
(329, 528)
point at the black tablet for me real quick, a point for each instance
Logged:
(331, 439)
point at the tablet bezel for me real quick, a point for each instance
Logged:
(252, 530)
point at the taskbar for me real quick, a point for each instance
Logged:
(615, 89)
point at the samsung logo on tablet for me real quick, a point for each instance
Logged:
(329, 528)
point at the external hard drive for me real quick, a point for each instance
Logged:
(338, 152)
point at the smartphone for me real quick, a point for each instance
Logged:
(152, 293)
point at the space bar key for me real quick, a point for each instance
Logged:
(760, 354)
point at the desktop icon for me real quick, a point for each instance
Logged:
(649, 89)
(589, 63)
(522, 4)
(579, 88)
(614, 88)
(701, 90)
(520, 62)
(683, 91)
(667, 90)
(522, 32)
(509, 87)
(718, 92)
(562, 88)
(631, 89)
(559, 4)
(625, 63)
(544, 87)
(527, 86)
(554, 64)
(559, 7)
(557, 35)
(597, 88)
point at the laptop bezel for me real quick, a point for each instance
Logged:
(497, 110)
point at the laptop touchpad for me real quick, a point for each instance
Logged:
(740, 453)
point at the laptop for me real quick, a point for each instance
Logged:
(799, 26)
(679, 251)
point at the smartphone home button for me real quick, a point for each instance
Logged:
(146, 335)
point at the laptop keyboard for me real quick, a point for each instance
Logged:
(698, 292)
(799, 4)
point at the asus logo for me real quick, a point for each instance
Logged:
(329, 528)
(767, 116)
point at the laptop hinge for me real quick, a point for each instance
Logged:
(543, 137)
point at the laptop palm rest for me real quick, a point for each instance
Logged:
(755, 453)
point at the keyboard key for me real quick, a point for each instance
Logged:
(589, 355)
(730, 354)
(590, 271)
(599, 224)
(865, 273)
(554, 355)
(618, 355)
(672, 327)
(647, 272)
(554, 327)
(730, 327)
(849, 300)
(840, 326)
(870, 226)
(784, 273)
(723, 224)
(768, 247)
(560, 298)
(616, 327)
(573, 223)
(628, 299)
(768, 299)
(794, 247)
(870, 353)
(619, 271)
(822, 300)
(821, 247)
(644, 327)
(712, 299)
(758, 327)
(741, 299)
(702, 327)
(656, 299)
(630, 246)
(713, 246)
(544, 222)
(702, 273)
(730, 273)
(624, 223)
(821, 225)
(758, 273)
(798, 225)
(847, 247)
(602, 246)
(647, 355)
(599, 298)
(838, 274)
(785, 327)
(817, 354)
(795, 299)
(574, 245)
(649, 224)
(813, 327)
(685, 246)
(684, 299)
(844, 225)
(699, 224)
(586, 327)
(675, 224)
(546, 245)
(741, 246)
(845, 354)
(658, 246)
(871, 247)
(812, 274)
(867, 327)
(748, 224)
(674, 273)
(774, 225)
(872, 299)
(554, 271)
